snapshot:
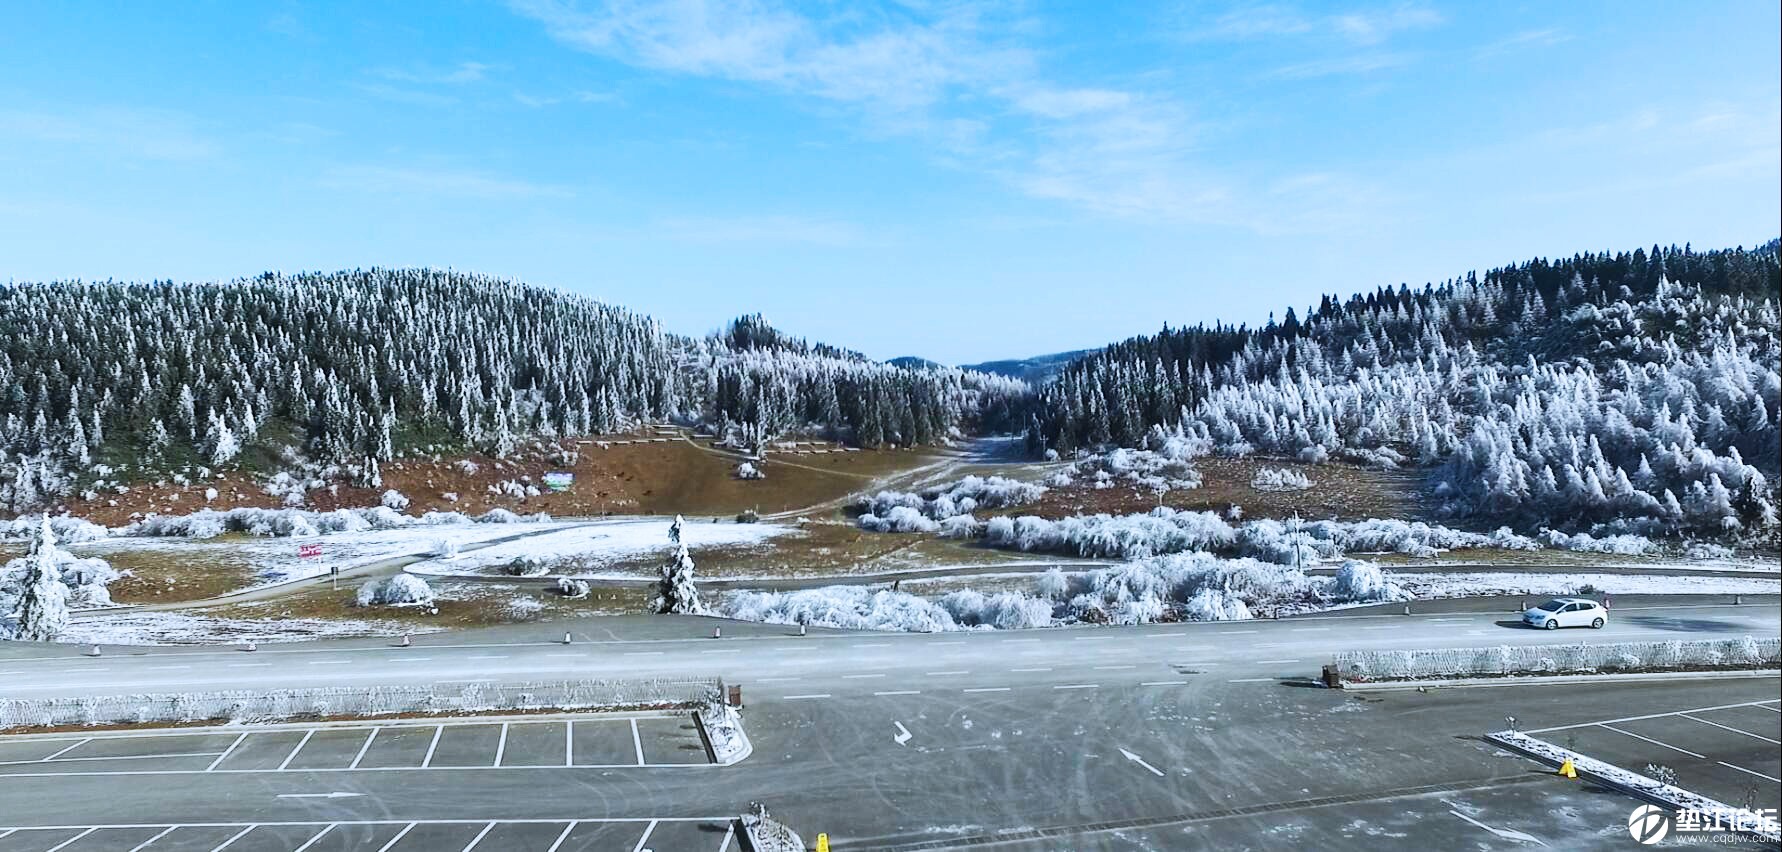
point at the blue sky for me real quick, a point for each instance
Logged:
(958, 180)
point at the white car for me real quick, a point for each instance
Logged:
(1566, 612)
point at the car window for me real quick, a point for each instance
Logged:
(1551, 606)
(1570, 608)
(1590, 605)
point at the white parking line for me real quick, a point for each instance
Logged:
(1652, 716)
(300, 744)
(555, 844)
(70, 841)
(569, 743)
(67, 750)
(434, 744)
(804, 697)
(312, 841)
(1747, 771)
(146, 843)
(1730, 728)
(226, 752)
(479, 837)
(648, 829)
(363, 748)
(239, 834)
(637, 742)
(1654, 742)
(500, 745)
(398, 838)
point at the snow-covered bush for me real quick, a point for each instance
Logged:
(571, 588)
(1621, 545)
(394, 500)
(961, 498)
(66, 529)
(525, 566)
(209, 523)
(901, 519)
(396, 590)
(748, 470)
(1364, 581)
(445, 548)
(1280, 479)
(523, 608)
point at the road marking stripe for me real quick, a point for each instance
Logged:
(428, 760)
(949, 643)
(300, 744)
(860, 676)
(7, 833)
(1164, 683)
(946, 674)
(1311, 630)
(479, 837)
(1655, 742)
(986, 689)
(637, 742)
(1031, 670)
(500, 745)
(1108, 638)
(1747, 771)
(645, 653)
(1234, 632)
(569, 743)
(330, 662)
(729, 834)
(1274, 662)
(146, 843)
(558, 842)
(569, 655)
(801, 697)
(870, 645)
(1020, 641)
(312, 841)
(71, 840)
(1252, 680)
(1078, 686)
(723, 651)
(486, 657)
(1113, 668)
(900, 692)
(645, 838)
(226, 752)
(163, 756)
(398, 838)
(1652, 716)
(66, 750)
(1730, 728)
(776, 679)
(410, 659)
(249, 665)
(363, 748)
(166, 668)
(238, 835)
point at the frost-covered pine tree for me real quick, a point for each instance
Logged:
(675, 592)
(43, 607)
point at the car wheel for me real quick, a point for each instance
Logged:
(1552, 624)
(1597, 624)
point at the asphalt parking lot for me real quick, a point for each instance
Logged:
(652, 740)
(660, 835)
(1727, 752)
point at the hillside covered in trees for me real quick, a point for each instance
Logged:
(1632, 392)
(98, 378)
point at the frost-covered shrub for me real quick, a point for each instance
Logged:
(394, 500)
(1215, 605)
(573, 589)
(209, 523)
(848, 607)
(1707, 550)
(1280, 479)
(396, 590)
(1002, 610)
(66, 529)
(525, 566)
(961, 498)
(959, 527)
(748, 470)
(1364, 581)
(1622, 545)
(523, 609)
(445, 548)
(898, 519)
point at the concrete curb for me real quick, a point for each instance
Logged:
(736, 755)
(1631, 784)
(1536, 680)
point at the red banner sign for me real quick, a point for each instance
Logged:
(309, 550)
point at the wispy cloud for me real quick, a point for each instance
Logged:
(463, 72)
(1365, 63)
(1360, 27)
(396, 94)
(414, 180)
(1520, 41)
(128, 133)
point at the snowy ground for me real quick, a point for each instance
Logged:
(583, 550)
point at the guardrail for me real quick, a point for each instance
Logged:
(1746, 652)
(356, 701)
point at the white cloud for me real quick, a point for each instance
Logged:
(1361, 27)
(412, 180)
(128, 133)
(1526, 39)
(1366, 63)
(463, 72)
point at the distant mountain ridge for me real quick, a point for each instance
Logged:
(1037, 370)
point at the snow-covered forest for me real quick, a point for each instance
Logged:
(99, 379)
(1627, 393)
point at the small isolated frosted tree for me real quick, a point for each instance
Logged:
(675, 592)
(43, 607)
